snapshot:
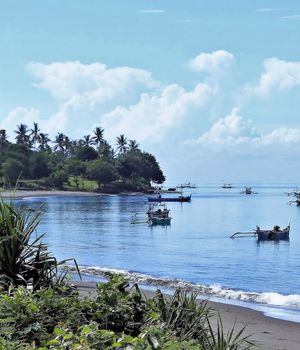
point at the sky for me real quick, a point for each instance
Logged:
(211, 88)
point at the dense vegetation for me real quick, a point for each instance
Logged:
(39, 311)
(90, 163)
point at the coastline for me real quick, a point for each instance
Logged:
(42, 193)
(267, 332)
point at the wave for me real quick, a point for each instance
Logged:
(215, 290)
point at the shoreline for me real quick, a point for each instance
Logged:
(268, 333)
(47, 193)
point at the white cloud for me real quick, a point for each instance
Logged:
(212, 62)
(53, 124)
(278, 75)
(233, 130)
(155, 114)
(291, 17)
(80, 84)
(281, 136)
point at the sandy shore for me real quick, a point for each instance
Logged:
(22, 194)
(268, 333)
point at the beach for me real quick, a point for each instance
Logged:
(183, 251)
(268, 333)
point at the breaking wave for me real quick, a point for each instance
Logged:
(215, 290)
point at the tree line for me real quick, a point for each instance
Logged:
(52, 163)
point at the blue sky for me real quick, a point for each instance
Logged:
(211, 88)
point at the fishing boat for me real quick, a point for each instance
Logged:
(160, 198)
(274, 234)
(186, 185)
(248, 190)
(227, 186)
(159, 216)
(296, 194)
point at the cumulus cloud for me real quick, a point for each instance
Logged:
(79, 84)
(212, 62)
(234, 130)
(50, 125)
(278, 75)
(155, 114)
(231, 130)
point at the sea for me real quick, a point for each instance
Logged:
(110, 233)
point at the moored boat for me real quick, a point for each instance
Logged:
(160, 220)
(227, 186)
(272, 235)
(160, 198)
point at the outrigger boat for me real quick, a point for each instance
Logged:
(180, 198)
(248, 190)
(274, 234)
(296, 194)
(187, 185)
(227, 186)
(159, 216)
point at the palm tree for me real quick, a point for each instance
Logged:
(122, 144)
(35, 134)
(3, 139)
(98, 138)
(86, 141)
(43, 141)
(106, 151)
(59, 142)
(22, 135)
(133, 145)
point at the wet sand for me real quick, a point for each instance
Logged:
(268, 333)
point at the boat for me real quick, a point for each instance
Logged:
(248, 190)
(160, 198)
(159, 216)
(227, 186)
(186, 185)
(164, 212)
(296, 194)
(274, 234)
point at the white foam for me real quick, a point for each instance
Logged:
(215, 290)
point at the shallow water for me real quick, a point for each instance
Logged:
(195, 248)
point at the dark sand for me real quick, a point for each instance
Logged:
(268, 333)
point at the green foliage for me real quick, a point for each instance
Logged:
(118, 318)
(58, 178)
(101, 171)
(39, 165)
(24, 259)
(86, 153)
(11, 171)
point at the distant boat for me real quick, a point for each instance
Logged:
(227, 186)
(266, 235)
(248, 190)
(187, 185)
(296, 194)
(160, 198)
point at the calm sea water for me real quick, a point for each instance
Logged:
(195, 248)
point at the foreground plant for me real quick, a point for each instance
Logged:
(25, 260)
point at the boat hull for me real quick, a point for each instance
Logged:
(270, 235)
(169, 199)
(160, 221)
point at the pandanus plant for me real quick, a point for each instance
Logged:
(24, 259)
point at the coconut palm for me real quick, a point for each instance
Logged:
(98, 138)
(3, 139)
(86, 141)
(121, 144)
(59, 142)
(35, 134)
(22, 135)
(43, 141)
(133, 145)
